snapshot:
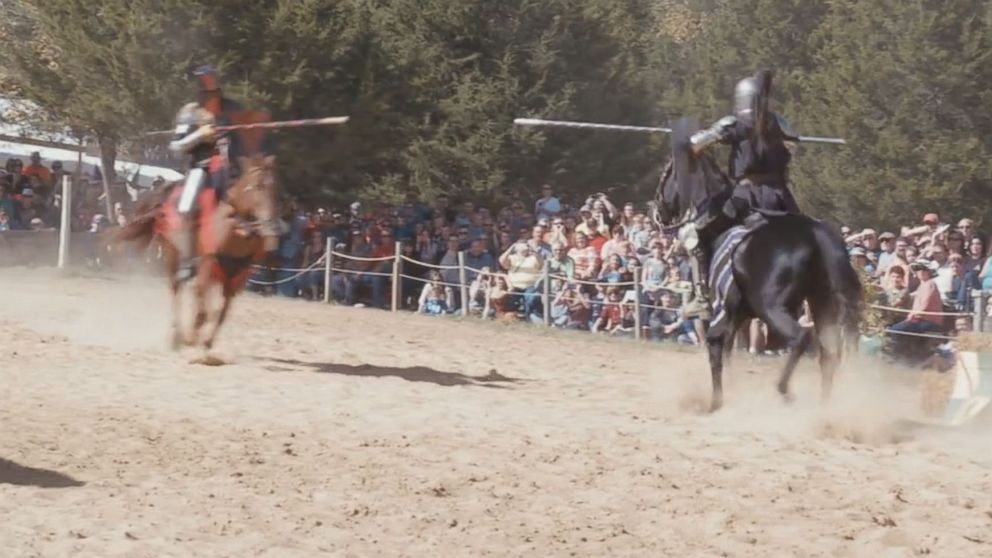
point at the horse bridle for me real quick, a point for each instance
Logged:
(688, 216)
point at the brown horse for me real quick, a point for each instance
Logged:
(234, 233)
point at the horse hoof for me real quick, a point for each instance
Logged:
(716, 405)
(209, 360)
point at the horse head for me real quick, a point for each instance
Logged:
(253, 196)
(690, 180)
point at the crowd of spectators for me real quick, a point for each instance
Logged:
(30, 197)
(593, 251)
(924, 276)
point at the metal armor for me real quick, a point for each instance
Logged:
(744, 97)
(195, 137)
(718, 132)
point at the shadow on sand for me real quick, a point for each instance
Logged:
(19, 475)
(410, 374)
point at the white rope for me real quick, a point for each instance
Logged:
(314, 265)
(353, 272)
(654, 307)
(360, 259)
(432, 266)
(910, 334)
(256, 266)
(905, 311)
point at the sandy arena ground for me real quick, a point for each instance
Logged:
(351, 432)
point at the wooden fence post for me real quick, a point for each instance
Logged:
(638, 334)
(547, 293)
(328, 270)
(462, 279)
(397, 261)
(64, 232)
(978, 298)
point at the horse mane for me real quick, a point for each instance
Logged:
(708, 185)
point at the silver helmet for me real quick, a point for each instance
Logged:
(744, 94)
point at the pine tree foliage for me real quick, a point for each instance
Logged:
(432, 87)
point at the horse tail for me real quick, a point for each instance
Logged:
(147, 210)
(140, 230)
(843, 280)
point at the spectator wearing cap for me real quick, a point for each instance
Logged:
(548, 206)
(887, 251)
(924, 316)
(859, 259)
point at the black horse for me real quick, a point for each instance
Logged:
(784, 261)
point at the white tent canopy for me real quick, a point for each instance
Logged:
(145, 174)
(62, 146)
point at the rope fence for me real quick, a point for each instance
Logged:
(469, 293)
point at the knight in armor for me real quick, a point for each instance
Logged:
(212, 157)
(759, 168)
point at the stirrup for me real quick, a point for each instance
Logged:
(186, 271)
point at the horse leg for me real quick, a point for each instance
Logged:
(830, 344)
(715, 345)
(202, 290)
(797, 339)
(221, 316)
(171, 267)
(177, 335)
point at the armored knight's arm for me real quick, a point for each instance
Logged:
(185, 141)
(717, 133)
